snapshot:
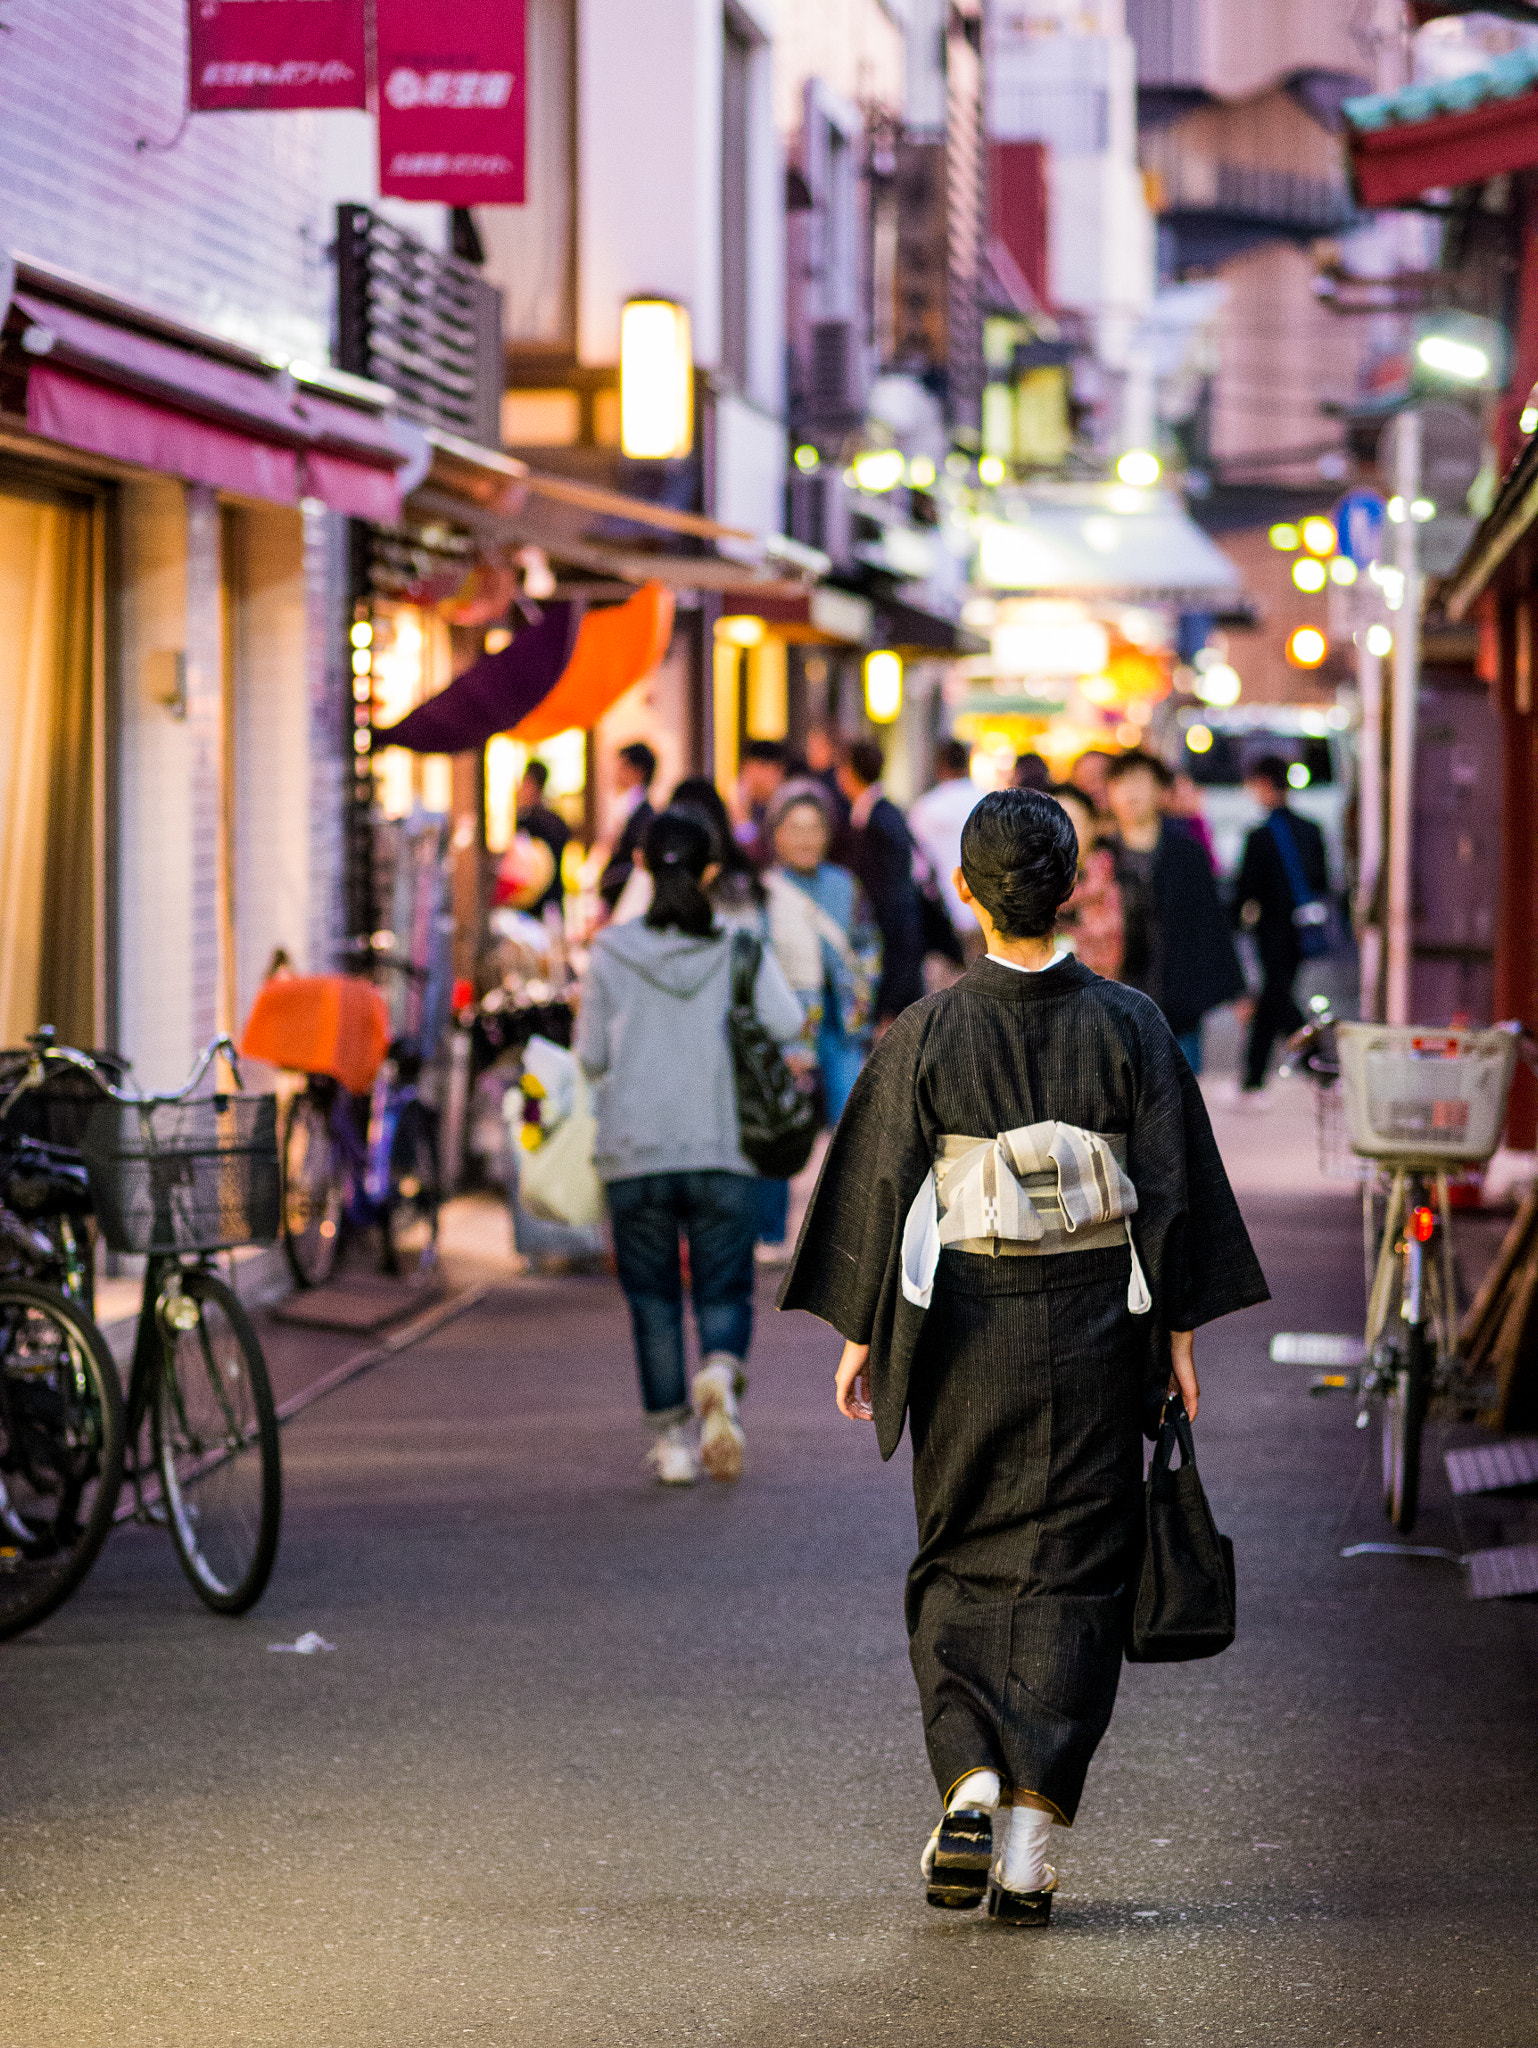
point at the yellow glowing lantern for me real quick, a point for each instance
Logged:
(883, 686)
(656, 380)
(1307, 647)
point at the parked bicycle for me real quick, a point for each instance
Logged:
(1420, 1103)
(355, 1163)
(176, 1180)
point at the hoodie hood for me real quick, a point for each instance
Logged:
(670, 960)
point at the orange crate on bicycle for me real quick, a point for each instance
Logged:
(336, 1024)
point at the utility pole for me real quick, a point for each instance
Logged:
(1402, 714)
(1369, 805)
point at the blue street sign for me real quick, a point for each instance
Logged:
(1359, 527)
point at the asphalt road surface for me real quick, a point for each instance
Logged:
(595, 1763)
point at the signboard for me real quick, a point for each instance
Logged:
(275, 54)
(451, 101)
(1359, 527)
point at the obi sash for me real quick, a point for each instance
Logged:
(1042, 1189)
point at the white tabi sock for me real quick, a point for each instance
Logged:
(1023, 1865)
(977, 1789)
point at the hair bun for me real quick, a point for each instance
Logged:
(1020, 855)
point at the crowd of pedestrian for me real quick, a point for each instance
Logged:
(859, 909)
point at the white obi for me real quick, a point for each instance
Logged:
(1041, 1189)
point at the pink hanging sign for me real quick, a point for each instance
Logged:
(451, 101)
(275, 54)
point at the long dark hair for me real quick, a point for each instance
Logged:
(679, 848)
(738, 879)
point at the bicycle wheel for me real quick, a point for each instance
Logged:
(61, 1449)
(1404, 1418)
(216, 1444)
(411, 1217)
(313, 1190)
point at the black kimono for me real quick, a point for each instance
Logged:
(1027, 1382)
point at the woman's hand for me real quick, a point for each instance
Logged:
(1183, 1379)
(852, 1384)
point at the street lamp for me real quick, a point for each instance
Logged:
(656, 380)
(1460, 351)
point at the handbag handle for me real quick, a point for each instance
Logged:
(1174, 1428)
(747, 955)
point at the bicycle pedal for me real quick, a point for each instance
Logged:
(1335, 1383)
(1296, 1347)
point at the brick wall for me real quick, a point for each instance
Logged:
(227, 228)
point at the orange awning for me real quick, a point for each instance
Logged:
(615, 649)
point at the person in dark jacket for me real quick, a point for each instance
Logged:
(636, 770)
(880, 856)
(1284, 869)
(547, 826)
(1177, 945)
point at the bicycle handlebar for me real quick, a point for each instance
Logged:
(46, 1053)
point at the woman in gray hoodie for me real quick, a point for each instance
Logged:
(652, 1037)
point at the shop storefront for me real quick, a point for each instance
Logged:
(170, 553)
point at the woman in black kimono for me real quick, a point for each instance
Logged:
(1021, 1221)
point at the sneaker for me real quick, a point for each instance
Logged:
(673, 1458)
(767, 1254)
(717, 1385)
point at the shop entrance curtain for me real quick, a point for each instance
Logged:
(47, 803)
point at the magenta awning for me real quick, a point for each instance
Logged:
(115, 392)
(132, 429)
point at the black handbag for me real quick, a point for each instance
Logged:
(1180, 1602)
(776, 1114)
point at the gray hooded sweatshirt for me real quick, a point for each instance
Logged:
(651, 1035)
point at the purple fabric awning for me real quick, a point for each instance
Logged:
(493, 693)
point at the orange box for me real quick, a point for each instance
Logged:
(335, 1024)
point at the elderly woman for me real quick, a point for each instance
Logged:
(826, 942)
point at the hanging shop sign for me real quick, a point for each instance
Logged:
(451, 101)
(275, 54)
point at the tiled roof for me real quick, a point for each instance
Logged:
(1507, 79)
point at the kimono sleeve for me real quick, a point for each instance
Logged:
(846, 1262)
(1189, 1224)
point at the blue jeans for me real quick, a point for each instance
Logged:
(1190, 1043)
(773, 1211)
(719, 1214)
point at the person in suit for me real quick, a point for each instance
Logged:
(880, 857)
(1284, 868)
(1177, 947)
(635, 771)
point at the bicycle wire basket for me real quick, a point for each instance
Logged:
(185, 1176)
(1419, 1092)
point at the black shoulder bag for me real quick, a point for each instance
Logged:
(1180, 1593)
(778, 1117)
